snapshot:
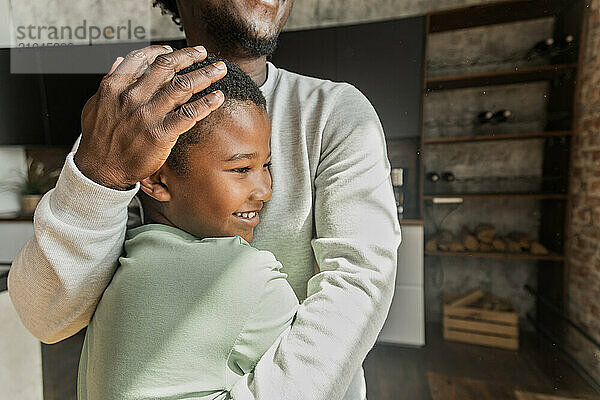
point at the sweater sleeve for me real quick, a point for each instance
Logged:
(357, 237)
(58, 277)
(272, 314)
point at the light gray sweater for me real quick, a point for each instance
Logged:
(332, 202)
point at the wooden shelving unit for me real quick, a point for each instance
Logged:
(546, 72)
(561, 73)
(494, 13)
(491, 137)
(499, 196)
(411, 222)
(519, 256)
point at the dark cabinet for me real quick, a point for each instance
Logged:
(42, 109)
(66, 94)
(382, 59)
(22, 116)
(308, 52)
(45, 108)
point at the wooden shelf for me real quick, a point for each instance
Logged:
(491, 137)
(412, 222)
(520, 256)
(493, 13)
(484, 196)
(542, 73)
(17, 218)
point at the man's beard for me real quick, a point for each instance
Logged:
(233, 35)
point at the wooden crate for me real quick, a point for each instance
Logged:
(466, 321)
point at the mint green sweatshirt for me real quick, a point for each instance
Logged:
(183, 318)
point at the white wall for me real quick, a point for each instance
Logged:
(12, 160)
(305, 14)
(4, 25)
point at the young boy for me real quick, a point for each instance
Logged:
(192, 306)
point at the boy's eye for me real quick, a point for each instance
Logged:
(242, 170)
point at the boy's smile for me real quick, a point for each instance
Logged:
(251, 219)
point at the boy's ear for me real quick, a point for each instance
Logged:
(156, 187)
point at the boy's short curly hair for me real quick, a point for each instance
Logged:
(169, 7)
(239, 90)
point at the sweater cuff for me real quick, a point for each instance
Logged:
(79, 201)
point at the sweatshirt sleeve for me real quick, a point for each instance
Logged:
(271, 315)
(357, 237)
(58, 277)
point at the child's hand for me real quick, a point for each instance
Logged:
(130, 125)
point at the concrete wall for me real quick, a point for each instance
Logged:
(319, 13)
(306, 14)
(584, 255)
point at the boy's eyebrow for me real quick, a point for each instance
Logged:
(241, 156)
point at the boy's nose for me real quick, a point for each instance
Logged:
(263, 191)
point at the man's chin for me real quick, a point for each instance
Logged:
(237, 34)
(257, 46)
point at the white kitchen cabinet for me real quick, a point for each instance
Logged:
(21, 361)
(14, 166)
(13, 235)
(405, 324)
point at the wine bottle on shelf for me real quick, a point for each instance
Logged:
(433, 177)
(398, 185)
(541, 48)
(485, 117)
(564, 46)
(448, 176)
(501, 116)
(567, 42)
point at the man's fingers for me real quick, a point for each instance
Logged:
(152, 56)
(115, 65)
(182, 87)
(134, 64)
(163, 68)
(185, 117)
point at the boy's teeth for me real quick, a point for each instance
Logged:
(246, 215)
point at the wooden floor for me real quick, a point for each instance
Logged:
(394, 372)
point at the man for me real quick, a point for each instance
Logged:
(332, 199)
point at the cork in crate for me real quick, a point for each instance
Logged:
(480, 318)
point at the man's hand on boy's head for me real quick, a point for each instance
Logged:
(132, 122)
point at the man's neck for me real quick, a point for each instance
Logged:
(255, 67)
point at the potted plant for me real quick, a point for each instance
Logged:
(32, 185)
